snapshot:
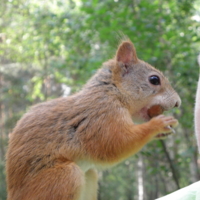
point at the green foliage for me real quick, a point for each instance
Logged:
(2, 181)
(47, 45)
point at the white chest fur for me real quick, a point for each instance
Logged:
(85, 165)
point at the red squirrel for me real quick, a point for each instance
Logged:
(57, 146)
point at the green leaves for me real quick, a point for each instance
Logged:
(37, 89)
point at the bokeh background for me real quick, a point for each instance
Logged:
(49, 48)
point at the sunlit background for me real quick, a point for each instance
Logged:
(50, 49)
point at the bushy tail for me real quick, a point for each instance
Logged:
(197, 110)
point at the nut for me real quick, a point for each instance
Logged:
(155, 111)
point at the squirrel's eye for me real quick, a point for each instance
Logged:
(154, 80)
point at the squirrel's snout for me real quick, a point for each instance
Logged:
(172, 101)
(178, 103)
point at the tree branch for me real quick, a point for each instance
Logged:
(171, 164)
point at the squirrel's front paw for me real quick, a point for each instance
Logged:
(162, 124)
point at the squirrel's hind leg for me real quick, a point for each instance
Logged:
(64, 181)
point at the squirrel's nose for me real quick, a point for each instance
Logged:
(178, 103)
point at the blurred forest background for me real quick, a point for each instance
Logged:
(49, 48)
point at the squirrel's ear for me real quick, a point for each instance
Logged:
(126, 53)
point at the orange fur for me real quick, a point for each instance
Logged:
(55, 148)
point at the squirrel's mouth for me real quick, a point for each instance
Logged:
(155, 111)
(147, 113)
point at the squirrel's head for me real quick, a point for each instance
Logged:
(141, 85)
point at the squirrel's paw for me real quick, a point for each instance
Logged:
(163, 124)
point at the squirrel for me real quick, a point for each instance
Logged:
(57, 147)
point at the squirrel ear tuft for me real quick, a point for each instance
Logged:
(126, 53)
